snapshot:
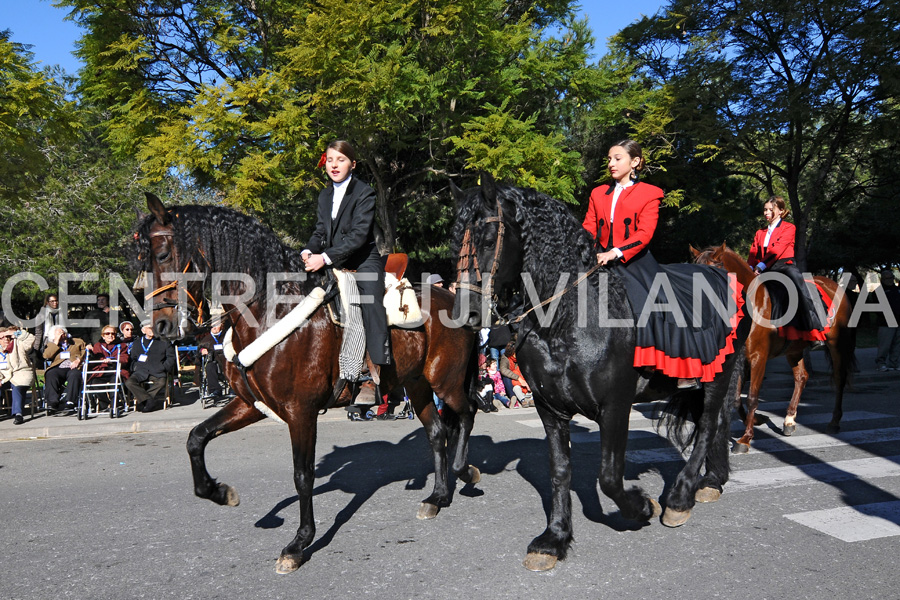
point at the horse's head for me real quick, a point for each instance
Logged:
(174, 292)
(488, 239)
(709, 256)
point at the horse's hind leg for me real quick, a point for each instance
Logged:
(235, 415)
(717, 466)
(841, 349)
(436, 431)
(683, 495)
(460, 428)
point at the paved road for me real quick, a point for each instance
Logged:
(112, 516)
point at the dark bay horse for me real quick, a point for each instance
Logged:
(764, 343)
(295, 379)
(576, 365)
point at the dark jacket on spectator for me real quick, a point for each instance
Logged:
(160, 359)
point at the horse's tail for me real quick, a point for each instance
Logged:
(687, 407)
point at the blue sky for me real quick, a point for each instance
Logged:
(38, 23)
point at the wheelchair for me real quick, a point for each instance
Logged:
(91, 392)
(207, 399)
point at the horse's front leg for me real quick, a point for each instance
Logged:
(303, 445)
(801, 376)
(634, 503)
(553, 544)
(235, 415)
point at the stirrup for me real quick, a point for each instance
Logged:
(689, 383)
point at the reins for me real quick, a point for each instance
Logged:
(568, 288)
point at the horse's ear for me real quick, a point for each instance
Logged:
(458, 195)
(723, 247)
(694, 251)
(141, 215)
(488, 187)
(157, 209)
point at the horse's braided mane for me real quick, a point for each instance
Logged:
(223, 240)
(554, 241)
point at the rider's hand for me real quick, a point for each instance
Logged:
(314, 262)
(605, 258)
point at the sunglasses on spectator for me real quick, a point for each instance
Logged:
(6, 337)
(109, 333)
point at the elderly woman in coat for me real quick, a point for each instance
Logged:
(16, 369)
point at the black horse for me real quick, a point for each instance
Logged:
(581, 365)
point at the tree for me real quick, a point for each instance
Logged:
(241, 97)
(79, 218)
(786, 96)
(34, 116)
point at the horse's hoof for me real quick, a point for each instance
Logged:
(788, 430)
(657, 509)
(231, 495)
(427, 511)
(287, 564)
(740, 448)
(675, 518)
(535, 561)
(474, 475)
(707, 494)
(833, 428)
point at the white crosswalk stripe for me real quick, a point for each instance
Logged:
(847, 523)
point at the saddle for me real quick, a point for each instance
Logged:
(400, 302)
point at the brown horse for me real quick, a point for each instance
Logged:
(294, 380)
(764, 343)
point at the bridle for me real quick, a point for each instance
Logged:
(468, 260)
(184, 314)
(173, 285)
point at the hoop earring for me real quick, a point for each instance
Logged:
(633, 175)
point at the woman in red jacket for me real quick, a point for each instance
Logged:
(773, 251)
(674, 340)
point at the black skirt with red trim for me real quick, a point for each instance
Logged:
(685, 316)
(804, 322)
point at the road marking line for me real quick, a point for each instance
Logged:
(854, 523)
(819, 472)
(818, 418)
(781, 444)
(768, 446)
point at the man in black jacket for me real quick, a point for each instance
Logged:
(152, 360)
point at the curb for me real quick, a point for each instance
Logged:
(101, 425)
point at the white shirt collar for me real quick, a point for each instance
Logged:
(340, 188)
(774, 224)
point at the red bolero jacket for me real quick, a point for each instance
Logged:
(781, 245)
(637, 212)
